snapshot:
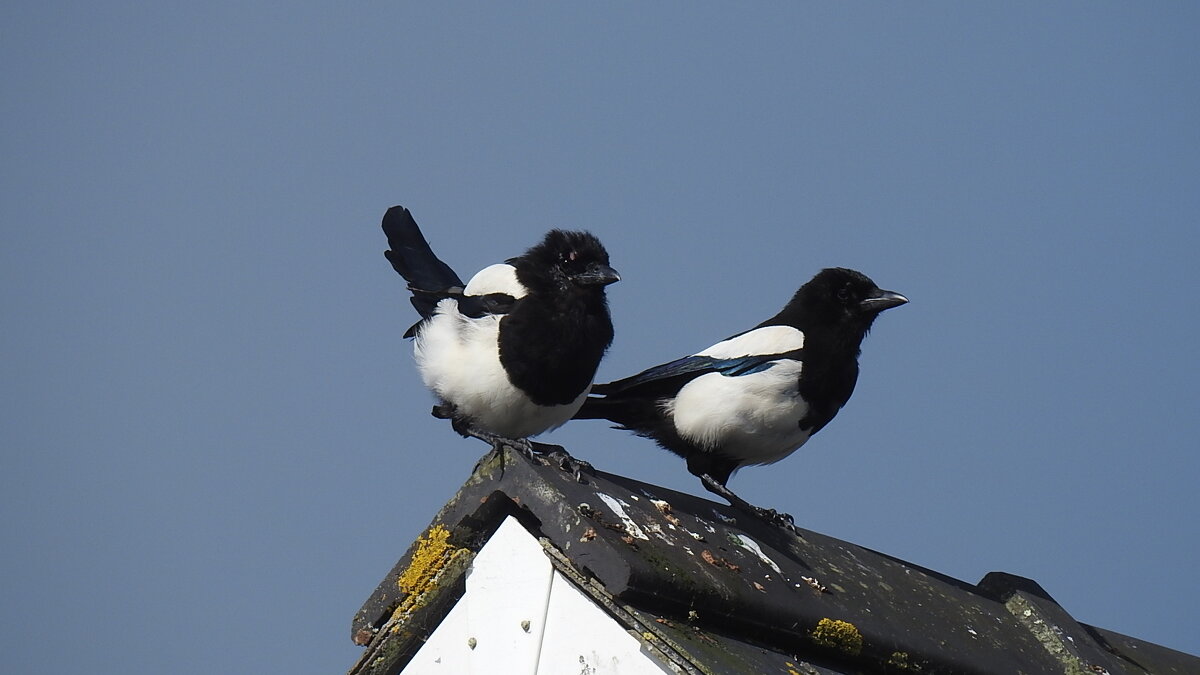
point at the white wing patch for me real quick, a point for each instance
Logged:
(498, 278)
(765, 340)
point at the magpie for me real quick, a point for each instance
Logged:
(759, 395)
(512, 352)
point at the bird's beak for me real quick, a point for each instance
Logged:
(597, 275)
(881, 300)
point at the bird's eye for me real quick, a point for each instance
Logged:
(843, 293)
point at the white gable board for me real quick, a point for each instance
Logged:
(519, 616)
(582, 638)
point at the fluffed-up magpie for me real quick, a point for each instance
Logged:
(759, 395)
(511, 353)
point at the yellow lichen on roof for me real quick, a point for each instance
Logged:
(840, 635)
(902, 661)
(434, 552)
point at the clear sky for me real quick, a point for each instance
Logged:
(214, 441)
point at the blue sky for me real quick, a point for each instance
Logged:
(215, 442)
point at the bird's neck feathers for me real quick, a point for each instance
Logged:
(541, 280)
(828, 329)
(832, 344)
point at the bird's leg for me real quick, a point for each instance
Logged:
(497, 441)
(712, 485)
(526, 447)
(771, 516)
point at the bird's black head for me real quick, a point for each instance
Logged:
(840, 299)
(564, 260)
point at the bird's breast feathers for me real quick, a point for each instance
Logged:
(459, 360)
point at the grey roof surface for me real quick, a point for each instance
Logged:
(711, 590)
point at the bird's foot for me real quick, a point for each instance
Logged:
(559, 455)
(522, 445)
(531, 450)
(555, 455)
(772, 517)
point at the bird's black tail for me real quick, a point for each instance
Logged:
(428, 277)
(642, 416)
(614, 410)
(593, 409)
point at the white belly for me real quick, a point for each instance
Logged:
(459, 360)
(754, 418)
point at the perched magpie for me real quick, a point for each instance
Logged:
(759, 395)
(513, 352)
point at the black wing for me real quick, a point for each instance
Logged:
(474, 306)
(669, 378)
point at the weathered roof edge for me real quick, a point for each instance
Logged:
(680, 571)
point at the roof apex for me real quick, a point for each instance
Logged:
(709, 585)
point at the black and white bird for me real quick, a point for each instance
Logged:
(759, 395)
(511, 353)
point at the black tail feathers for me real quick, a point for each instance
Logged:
(616, 411)
(593, 409)
(428, 277)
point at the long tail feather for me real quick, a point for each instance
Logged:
(428, 277)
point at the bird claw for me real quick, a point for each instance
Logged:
(772, 517)
(528, 449)
(566, 462)
(521, 445)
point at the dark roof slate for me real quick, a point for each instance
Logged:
(711, 590)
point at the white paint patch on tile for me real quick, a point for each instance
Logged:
(618, 507)
(752, 546)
